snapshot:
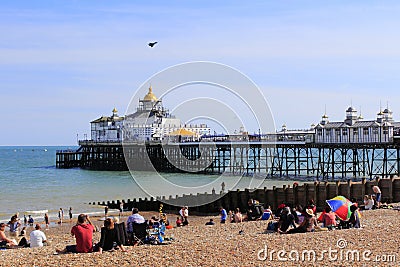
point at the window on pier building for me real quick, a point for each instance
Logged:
(385, 130)
(319, 131)
(344, 131)
(376, 130)
(328, 131)
(366, 131)
(355, 131)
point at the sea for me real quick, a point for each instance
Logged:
(32, 185)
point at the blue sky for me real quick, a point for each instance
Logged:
(65, 63)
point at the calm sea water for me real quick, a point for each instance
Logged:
(30, 183)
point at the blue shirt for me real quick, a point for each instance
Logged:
(223, 215)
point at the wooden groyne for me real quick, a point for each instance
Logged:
(295, 194)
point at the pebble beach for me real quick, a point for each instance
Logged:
(230, 244)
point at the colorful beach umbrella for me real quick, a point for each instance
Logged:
(341, 206)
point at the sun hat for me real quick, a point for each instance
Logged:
(310, 212)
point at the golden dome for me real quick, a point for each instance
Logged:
(114, 110)
(150, 96)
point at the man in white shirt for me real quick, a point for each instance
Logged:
(37, 237)
(134, 218)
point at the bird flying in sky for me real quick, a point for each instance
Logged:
(152, 44)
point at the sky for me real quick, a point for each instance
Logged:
(66, 63)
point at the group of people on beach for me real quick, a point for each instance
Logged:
(289, 220)
(36, 238)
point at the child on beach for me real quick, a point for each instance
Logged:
(178, 222)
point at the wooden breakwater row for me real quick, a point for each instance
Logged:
(295, 194)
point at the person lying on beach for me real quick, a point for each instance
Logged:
(109, 236)
(83, 233)
(4, 241)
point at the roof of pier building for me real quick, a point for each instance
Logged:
(384, 118)
(113, 117)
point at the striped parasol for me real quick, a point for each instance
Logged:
(341, 206)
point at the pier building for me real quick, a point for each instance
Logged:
(150, 122)
(354, 129)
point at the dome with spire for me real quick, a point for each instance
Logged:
(150, 96)
(115, 110)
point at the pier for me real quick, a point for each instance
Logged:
(275, 159)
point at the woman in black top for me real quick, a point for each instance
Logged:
(109, 235)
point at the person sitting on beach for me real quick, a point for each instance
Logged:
(285, 220)
(23, 231)
(211, 222)
(23, 242)
(153, 222)
(368, 202)
(4, 241)
(134, 218)
(311, 206)
(164, 220)
(278, 211)
(238, 217)
(178, 222)
(109, 236)
(308, 225)
(37, 237)
(329, 218)
(354, 217)
(267, 214)
(254, 210)
(83, 232)
(13, 225)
